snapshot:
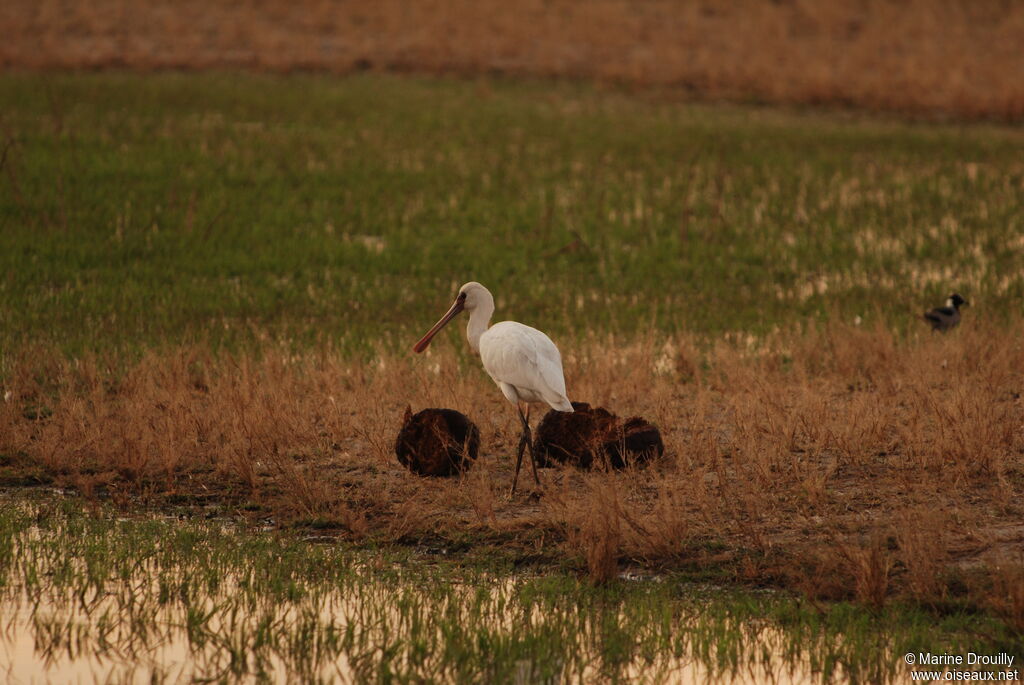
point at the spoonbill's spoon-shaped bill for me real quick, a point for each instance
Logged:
(453, 311)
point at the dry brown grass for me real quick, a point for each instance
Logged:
(845, 462)
(1006, 597)
(955, 56)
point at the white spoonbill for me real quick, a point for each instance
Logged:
(523, 361)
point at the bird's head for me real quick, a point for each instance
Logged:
(474, 295)
(471, 296)
(956, 301)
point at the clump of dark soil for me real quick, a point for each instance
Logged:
(591, 437)
(437, 442)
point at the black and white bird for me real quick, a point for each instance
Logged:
(944, 318)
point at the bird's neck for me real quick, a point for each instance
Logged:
(479, 319)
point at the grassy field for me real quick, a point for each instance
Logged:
(209, 285)
(141, 211)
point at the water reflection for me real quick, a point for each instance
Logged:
(90, 600)
(67, 641)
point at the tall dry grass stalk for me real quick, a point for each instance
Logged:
(871, 565)
(921, 534)
(594, 529)
(845, 462)
(1006, 596)
(954, 56)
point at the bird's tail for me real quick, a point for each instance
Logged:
(563, 404)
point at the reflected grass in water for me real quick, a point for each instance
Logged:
(185, 600)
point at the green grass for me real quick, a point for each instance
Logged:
(142, 210)
(90, 585)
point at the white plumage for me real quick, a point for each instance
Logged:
(521, 360)
(525, 364)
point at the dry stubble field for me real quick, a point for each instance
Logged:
(952, 57)
(844, 464)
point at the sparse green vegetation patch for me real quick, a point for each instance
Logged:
(143, 210)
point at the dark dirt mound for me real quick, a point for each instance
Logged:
(591, 437)
(437, 442)
(573, 438)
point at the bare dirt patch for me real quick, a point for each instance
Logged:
(593, 437)
(437, 442)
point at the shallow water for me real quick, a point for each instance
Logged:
(88, 598)
(167, 654)
(62, 639)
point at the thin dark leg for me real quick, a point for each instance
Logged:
(529, 444)
(519, 454)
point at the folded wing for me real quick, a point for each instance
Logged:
(526, 359)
